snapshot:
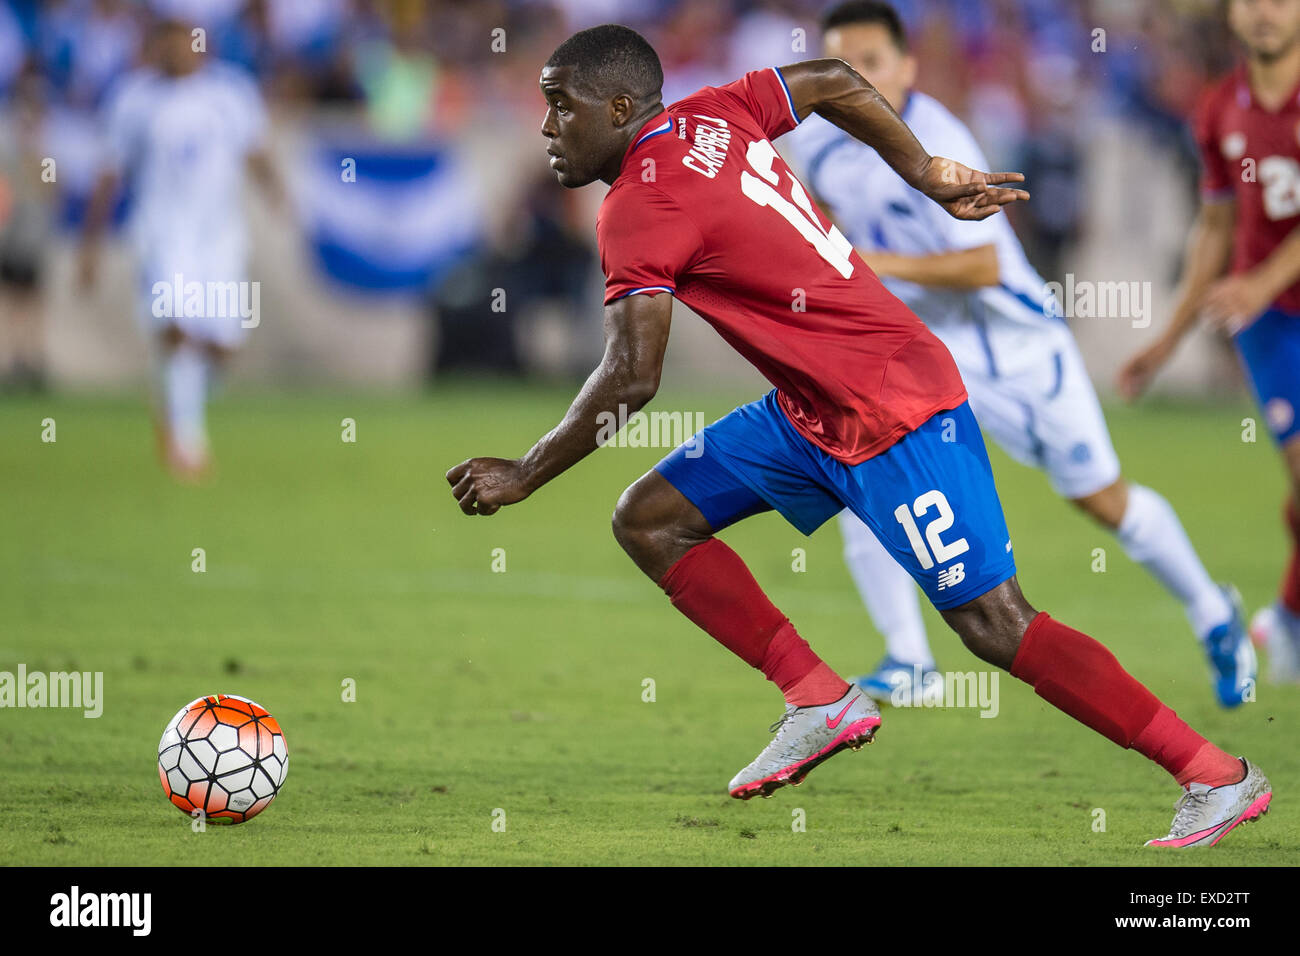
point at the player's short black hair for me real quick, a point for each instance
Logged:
(612, 59)
(867, 11)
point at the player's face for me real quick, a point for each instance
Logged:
(869, 49)
(581, 135)
(1268, 28)
(174, 49)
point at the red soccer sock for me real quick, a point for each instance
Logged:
(711, 585)
(1077, 674)
(1289, 593)
(804, 678)
(1071, 671)
(1170, 742)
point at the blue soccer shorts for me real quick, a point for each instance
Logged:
(1270, 351)
(929, 498)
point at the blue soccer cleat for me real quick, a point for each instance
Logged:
(1233, 664)
(896, 682)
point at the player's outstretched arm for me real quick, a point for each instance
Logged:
(1236, 301)
(836, 91)
(264, 172)
(974, 268)
(98, 213)
(1209, 247)
(636, 335)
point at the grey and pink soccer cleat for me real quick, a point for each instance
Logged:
(806, 736)
(1206, 814)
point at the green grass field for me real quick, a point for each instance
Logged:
(522, 690)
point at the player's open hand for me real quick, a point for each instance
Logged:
(483, 485)
(1236, 301)
(968, 193)
(1138, 371)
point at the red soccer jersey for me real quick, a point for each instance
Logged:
(1252, 155)
(704, 208)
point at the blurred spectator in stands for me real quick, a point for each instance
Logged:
(399, 75)
(87, 44)
(1052, 161)
(307, 41)
(13, 48)
(483, 304)
(26, 190)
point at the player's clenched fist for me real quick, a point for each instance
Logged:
(483, 485)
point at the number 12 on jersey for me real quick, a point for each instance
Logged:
(829, 243)
(942, 552)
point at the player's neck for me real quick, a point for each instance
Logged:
(180, 74)
(1274, 79)
(615, 167)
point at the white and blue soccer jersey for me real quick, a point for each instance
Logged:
(181, 144)
(1027, 383)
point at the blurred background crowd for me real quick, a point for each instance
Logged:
(389, 278)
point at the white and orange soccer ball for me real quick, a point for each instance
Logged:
(223, 755)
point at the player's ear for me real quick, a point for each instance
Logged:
(908, 71)
(621, 110)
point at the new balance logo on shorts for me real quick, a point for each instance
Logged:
(952, 576)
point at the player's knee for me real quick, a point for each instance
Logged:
(171, 336)
(1106, 506)
(217, 354)
(656, 525)
(633, 521)
(992, 625)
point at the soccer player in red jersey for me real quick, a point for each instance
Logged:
(1248, 129)
(867, 411)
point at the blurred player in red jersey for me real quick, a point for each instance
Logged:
(1248, 130)
(868, 411)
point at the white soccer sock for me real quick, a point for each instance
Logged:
(185, 387)
(888, 591)
(1153, 536)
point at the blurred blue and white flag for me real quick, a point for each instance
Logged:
(387, 218)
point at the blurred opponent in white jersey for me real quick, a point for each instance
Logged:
(971, 283)
(182, 134)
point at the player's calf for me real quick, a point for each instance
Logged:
(1079, 676)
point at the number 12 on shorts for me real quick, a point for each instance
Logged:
(938, 551)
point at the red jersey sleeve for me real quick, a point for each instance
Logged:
(764, 96)
(1216, 174)
(646, 241)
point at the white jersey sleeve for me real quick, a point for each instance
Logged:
(124, 119)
